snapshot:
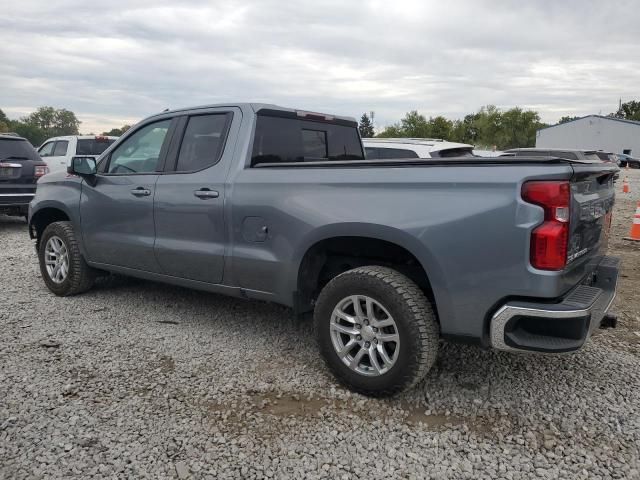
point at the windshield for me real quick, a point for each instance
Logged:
(93, 146)
(17, 149)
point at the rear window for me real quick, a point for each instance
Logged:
(389, 153)
(11, 149)
(281, 139)
(93, 146)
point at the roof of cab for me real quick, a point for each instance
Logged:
(255, 107)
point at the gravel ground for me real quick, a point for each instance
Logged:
(135, 379)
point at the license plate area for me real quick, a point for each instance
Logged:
(10, 170)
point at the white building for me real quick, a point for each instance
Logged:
(593, 132)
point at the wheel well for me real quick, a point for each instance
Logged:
(42, 219)
(331, 257)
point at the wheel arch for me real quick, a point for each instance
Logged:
(366, 244)
(44, 216)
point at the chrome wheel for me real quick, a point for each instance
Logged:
(364, 335)
(56, 259)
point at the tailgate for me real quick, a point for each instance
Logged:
(593, 196)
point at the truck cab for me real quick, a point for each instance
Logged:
(57, 151)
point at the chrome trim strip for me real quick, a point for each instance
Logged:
(17, 194)
(506, 312)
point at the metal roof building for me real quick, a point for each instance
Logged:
(593, 132)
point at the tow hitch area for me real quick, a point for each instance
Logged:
(610, 320)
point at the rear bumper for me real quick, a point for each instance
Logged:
(557, 327)
(12, 199)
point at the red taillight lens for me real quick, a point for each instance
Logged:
(549, 241)
(40, 170)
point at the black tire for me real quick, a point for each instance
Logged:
(414, 317)
(80, 276)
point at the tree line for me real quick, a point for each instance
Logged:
(47, 122)
(487, 128)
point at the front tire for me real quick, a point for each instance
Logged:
(61, 263)
(376, 330)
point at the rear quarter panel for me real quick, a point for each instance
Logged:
(466, 225)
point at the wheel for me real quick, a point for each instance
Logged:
(62, 266)
(376, 330)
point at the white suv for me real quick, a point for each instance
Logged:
(57, 151)
(382, 148)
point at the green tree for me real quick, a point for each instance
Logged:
(487, 127)
(391, 131)
(4, 122)
(567, 118)
(466, 130)
(117, 132)
(629, 111)
(44, 123)
(414, 125)
(53, 121)
(366, 127)
(439, 127)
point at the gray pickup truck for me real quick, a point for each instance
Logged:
(269, 203)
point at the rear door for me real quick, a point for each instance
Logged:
(189, 200)
(57, 162)
(117, 209)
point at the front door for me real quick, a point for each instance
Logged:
(189, 199)
(117, 210)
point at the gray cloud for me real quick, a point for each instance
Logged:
(120, 61)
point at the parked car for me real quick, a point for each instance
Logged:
(385, 148)
(57, 151)
(625, 160)
(264, 202)
(566, 153)
(20, 169)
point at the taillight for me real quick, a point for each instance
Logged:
(549, 241)
(40, 170)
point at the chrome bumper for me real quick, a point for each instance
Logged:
(556, 327)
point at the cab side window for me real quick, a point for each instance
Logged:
(140, 152)
(60, 150)
(203, 141)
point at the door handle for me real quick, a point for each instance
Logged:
(206, 193)
(141, 192)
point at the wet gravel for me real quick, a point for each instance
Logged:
(140, 380)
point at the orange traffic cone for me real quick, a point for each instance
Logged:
(625, 185)
(634, 233)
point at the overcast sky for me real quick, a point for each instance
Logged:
(118, 61)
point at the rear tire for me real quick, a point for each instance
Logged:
(61, 263)
(391, 306)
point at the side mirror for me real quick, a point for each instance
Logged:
(82, 166)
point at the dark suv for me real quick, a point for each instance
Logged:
(20, 169)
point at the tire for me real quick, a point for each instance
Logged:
(392, 296)
(79, 276)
